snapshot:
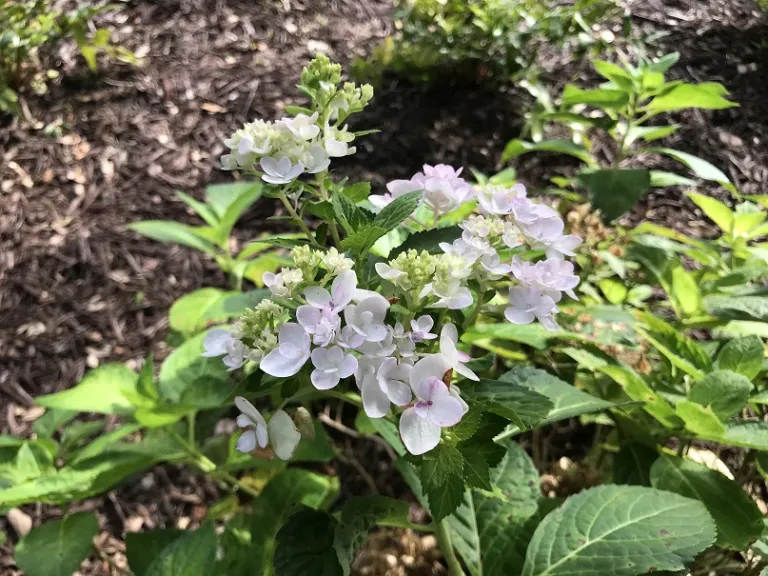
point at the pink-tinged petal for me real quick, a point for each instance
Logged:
(419, 435)
(432, 366)
(517, 316)
(446, 411)
(308, 316)
(275, 364)
(283, 435)
(247, 442)
(375, 401)
(249, 410)
(399, 392)
(317, 297)
(348, 366)
(215, 342)
(466, 372)
(343, 289)
(324, 380)
(455, 392)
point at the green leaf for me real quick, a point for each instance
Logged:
(615, 292)
(186, 368)
(357, 192)
(665, 62)
(193, 554)
(439, 464)
(678, 348)
(47, 425)
(569, 118)
(724, 391)
(661, 179)
(172, 232)
(199, 309)
(700, 420)
(475, 470)
(361, 515)
(615, 191)
(610, 71)
(201, 208)
(350, 217)
(715, 210)
(57, 548)
(101, 390)
(362, 240)
(305, 545)
(567, 401)
(221, 197)
(394, 213)
(649, 133)
(619, 530)
(523, 406)
(515, 148)
(141, 548)
(446, 497)
(738, 520)
(632, 464)
(390, 433)
(600, 98)
(428, 240)
(290, 487)
(685, 290)
(738, 307)
(698, 166)
(707, 95)
(244, 199)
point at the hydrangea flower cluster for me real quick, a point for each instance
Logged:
(282, 151)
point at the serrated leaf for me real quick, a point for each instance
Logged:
(363, 239)
(101, 391)
(738, 520)
(57, 548)
(394, 213)
(445, 498)
(186, 371)
(632, 464)
(699, 419)
(522, 405)
(305, 545)
(724, 391)
(193, 554)
(619, 530)
(357, 192)
(615, 191)
(348, 215)
(428, 240)
(439, 464)
(475, 469)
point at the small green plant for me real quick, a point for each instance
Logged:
(26, 26)
(622, 108)
(479, 39)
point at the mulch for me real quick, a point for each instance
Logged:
(100, 151)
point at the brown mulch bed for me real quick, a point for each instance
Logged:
(77, 289)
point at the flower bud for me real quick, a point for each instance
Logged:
(303, 421)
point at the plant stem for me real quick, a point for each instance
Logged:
(295, 216)
(229, 479)
(446, 547)
(324, 196)
(470, 320)
(191, 427)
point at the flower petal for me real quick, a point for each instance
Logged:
(283, 434)
(517, 316)
(419, 434)
(347, 366)
(275, 364)
(308, 316)
(465, 371)
(399, 392)
(343, 289)
(247, 442)
(317, 297)
(375, 401)
(432, 366)
(215, 342)
(324, 380)
(445, 410)
(250, 411)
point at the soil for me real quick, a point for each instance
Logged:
(100, 151)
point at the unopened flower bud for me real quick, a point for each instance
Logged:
(303, 421)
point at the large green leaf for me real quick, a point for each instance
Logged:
(707, 95)
(567, 401)
(715, 210)
(682, 351)
(724, 391)
(619, 530)
(305, 545)
(57, 548)
(195, 311)
(186, 368)
(632, 464)
(141, 548)
(100, 391)
(193, 554)
(394, 213)
(245, 196)
(738, 307)
(515, 148)
(700, 420)
(176, 233)
(698, 166)
(221, 197)
(601, 98)
(428, 240)
(738, 520)
(615, 191)
(523, 406)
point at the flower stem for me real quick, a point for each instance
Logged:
(295, 216)
(446, 547)
(470, 320)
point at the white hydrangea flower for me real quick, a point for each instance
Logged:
(221, 342)
(337, 141)
(302, 126)
(527, 304)
(336, 263)
(280, 171)
(281, 431)
(552, 276)
(349, 338)
(395, 189)
(315, 159)
(437, 408)
(397, 277)
(342, 291)
(449, 338)
(367, 318)
(451, 294)
(420, 329)
(444, 190)
(494, 267)
(284, 282)
(547, 234)
(291, 354)
(406, 347)
(380, 349)
(512, 236)
(331, 365)
(486, 227)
